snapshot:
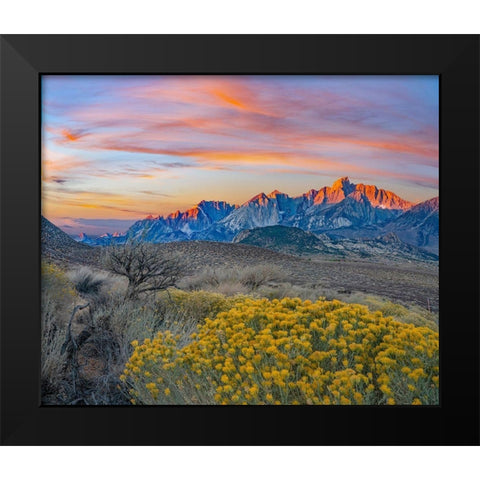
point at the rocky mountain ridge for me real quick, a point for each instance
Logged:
(342, 205)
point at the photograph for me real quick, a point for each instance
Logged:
(239, 240)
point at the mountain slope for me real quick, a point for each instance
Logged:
(419, 226)
(402, 281)
(344, 204)
(298, 242)
(180, 225)
(56, 244)
(261, 211)
(284, 239)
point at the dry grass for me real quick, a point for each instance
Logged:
(234, 281)
(88, 283)
(58, 297)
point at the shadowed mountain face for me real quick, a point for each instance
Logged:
(342, 207)
(181, 225)
(419, 225)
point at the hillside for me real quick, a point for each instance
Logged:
(286, 240)
(57, 245)
(419, 225)
(298, 242)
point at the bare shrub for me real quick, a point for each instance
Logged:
(232, 281)
(146, 269)
(209, 279)
(89, 284)
(231, 289)
(255, 277)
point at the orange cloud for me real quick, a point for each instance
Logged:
(204, 92)
(99, 204)
(65, 134)
(69, 135)
(238, 94)
(151, 139)
(226, 98)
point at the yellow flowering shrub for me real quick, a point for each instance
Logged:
(289, 352)
(55, 282)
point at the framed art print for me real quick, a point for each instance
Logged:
(169, 276)
(241, 232)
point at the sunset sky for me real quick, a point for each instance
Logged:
(118, 148)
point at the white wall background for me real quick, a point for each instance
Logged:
(245, 16)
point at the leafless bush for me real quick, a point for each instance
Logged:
(232, 281)
(231, 289)
(255, 277)
(146, 269)
(209, 279)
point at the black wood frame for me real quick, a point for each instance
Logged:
(25, 57)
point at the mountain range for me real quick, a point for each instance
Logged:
(345, 209)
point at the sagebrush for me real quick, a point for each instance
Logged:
(289, 352)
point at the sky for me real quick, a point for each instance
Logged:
(118, 148)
